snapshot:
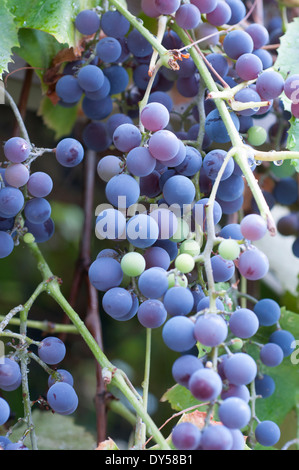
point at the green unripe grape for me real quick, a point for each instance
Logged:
(133, 264)
(191, 247)
(174, 280)
(284, 170)
(256, 136)
(28, 238)
(236, 344)
(184, 263)
(229, 249)
(182, 231)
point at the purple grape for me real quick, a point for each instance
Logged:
(249, 66)
(216, 437)
(90, 78)
(138, 45)
(122, 191)
(231, 231)
(264, 386)
(140, 162)
(17, 175)
(95, 136)
(219, 64)
(156, 257)
(291, 87)
(118, 78)
(188, 86)
(152, 313)
(126, 137)
(117, 302)
(166, 7)
(205, 384)
(271, 355)
(68, 89)
(17, 150)
(108, 167)
(149, 8)
(223, 270)
(69, 152)
(205, 303)
(11, 201)
(65, 376)
(186, 436)
(265, 57)
(41, 232)
(244, 323)
(101, 93)
(184, 367)
(51, 350)
(285, 340)
(142, 231)
(253, 227)
(178, 333)
(40, 184)
(240, 391)
(210, 329)
(105, 273)
(154, 117)
(108, 49)
(213, 162)
(167, 222)
(163, 145)
(178, 301)
(246, 95)
(114, 24)
(179, 190)
(87, 22)
(236, 43)
(97, 110)
(267, 433)
(205, 6)
(6, 244)
(234, 413)
(153, 283)
(4, 411)
(253, 264)
(240, 369)
(62, 398)
(269, 85)
(191, 163)
(259, 35)
(220, 15)
(187, 16)
(238, 11)
(37, 210)
(267, 312)
(9, 372)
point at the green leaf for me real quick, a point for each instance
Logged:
(37, 48)
(57, 432)
(180, 398)
(57, 118)
(8, 37)
(55, 17)
(287, 65)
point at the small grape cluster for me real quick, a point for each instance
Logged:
(23, 203)
(61, 396)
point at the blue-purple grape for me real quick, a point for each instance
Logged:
(152, 313)
(51, 350)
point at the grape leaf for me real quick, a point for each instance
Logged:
(52, 16)
(287, 65)
(60, 120)
(179, 398)
(8, 37)
(37, 48)
(57, 432)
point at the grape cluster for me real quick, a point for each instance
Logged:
(61, 396)
(157, 279)
(159, 169)
(23, 204)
